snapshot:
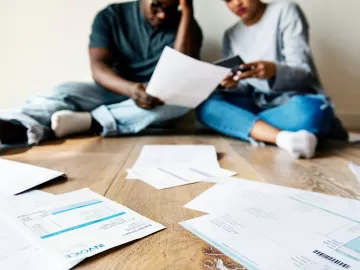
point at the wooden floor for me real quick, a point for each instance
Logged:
(101, 164)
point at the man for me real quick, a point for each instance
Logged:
(126, 42)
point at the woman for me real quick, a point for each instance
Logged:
(278, 98)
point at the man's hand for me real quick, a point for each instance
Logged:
(143, 100)
(186, 5)
(260, 70)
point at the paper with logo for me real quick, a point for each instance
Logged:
(279, 228)
(18, 177)
(184, 81)
(17, 251)
(179, 155)
(81, 224)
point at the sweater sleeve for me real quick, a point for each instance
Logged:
(227, 51)
(296, 71)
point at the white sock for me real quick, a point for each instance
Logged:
(298, 144)
(65, 123)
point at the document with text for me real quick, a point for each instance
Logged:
(278, 228)
(80, 224)
(17, 251)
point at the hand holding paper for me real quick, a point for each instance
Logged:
(181, 80)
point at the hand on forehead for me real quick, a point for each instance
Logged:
(166, 3)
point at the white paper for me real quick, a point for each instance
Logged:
(236, 192)
(258, 240)
(278, 232)
(81, 224)
(180, 155)
(271, 227)
(184, 81)
(172, 176)
(17, 177)
(355, 169)
(18, 251)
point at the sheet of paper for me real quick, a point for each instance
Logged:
(277, 232)
(180, 155)
(171, 176)
(81, 224)
(18, 251)
(184, 81)
(355, 169)
(236, 192)
(17, 177)
(273, 245)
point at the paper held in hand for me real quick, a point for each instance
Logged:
(184, 81)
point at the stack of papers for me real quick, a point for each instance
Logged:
(65, 229)
(166, 166)
(16, 250)
(18, 177)
(275, 227)
(181, 80)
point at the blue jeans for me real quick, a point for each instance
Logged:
(235, 114)
(116, 113)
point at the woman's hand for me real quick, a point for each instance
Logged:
(230, 81)
(262, 70)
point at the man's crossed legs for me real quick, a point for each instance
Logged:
(116, 114)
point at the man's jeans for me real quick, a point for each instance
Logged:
(116, 113)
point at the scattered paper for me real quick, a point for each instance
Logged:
(260, 239)
(17, 251)
(173, 176)
(80, 224)
(180, 155)
(17, 177)
(275, 227)
(355, 169)
(184, 81)
(237, 192)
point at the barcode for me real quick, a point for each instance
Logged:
(331, 259)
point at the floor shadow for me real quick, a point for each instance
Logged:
(220, 155)
(13, 150)
(56, 181)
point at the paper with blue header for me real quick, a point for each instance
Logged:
(81, 224)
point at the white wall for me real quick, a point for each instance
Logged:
(44, 42)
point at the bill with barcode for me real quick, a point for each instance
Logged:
(267, 231)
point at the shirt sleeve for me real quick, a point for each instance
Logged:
(297, 70)
(101, 31)
(227, 51)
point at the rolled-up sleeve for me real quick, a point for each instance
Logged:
(101, 31)
(297, 70)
